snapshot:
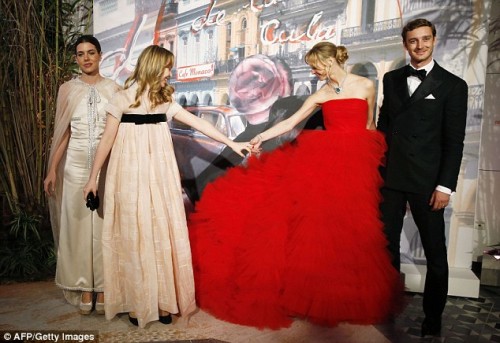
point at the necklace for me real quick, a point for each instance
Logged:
(338, 89)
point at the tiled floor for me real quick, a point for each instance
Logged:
(40, 306)
(464, 320)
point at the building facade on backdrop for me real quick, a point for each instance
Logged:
(210, 37)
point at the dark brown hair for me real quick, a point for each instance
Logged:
(415, 24)
(88, 39)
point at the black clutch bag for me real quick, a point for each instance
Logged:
(92, 201)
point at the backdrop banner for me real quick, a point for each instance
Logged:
(235, 61)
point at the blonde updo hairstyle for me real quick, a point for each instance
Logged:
(320, 52)
(148, 72)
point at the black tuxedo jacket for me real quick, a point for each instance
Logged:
(424, 132)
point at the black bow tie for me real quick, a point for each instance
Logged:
(410, 71)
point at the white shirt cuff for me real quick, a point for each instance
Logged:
(444, 190)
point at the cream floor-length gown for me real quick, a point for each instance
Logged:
(147, 256)
(79, 256)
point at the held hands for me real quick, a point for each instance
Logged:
(255, 144)
(439, 200)
(241, 148)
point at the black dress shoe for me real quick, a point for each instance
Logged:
(431, 327)
(133, 320)
(166, 319)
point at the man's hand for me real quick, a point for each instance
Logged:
(439, 200)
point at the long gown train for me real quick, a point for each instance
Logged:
(297, 232)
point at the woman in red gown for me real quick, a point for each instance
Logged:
(297, 232)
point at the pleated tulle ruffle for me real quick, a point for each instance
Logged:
(297, 234)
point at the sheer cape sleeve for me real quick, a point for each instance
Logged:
(68, 97)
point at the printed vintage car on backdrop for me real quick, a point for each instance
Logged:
(195, 151)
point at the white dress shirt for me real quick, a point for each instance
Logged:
(413, 81)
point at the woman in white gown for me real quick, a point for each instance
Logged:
(79, 124)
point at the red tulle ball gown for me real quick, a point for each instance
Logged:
(297, 233)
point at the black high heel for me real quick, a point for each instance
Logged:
(166, 319)
(133, 320)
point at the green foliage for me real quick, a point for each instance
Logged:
(36, 58)
(26, 252)
(26, 225)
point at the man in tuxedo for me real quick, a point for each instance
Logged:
(423, 117)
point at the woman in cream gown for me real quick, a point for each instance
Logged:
(146, 251)
(79, 123)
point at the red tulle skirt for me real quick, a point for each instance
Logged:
(297, 234)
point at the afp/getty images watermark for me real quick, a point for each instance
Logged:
(59, 336)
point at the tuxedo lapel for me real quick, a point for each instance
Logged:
(402, 92)
(432, 81)
(401, 88)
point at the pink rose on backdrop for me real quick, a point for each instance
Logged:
(257, 82)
